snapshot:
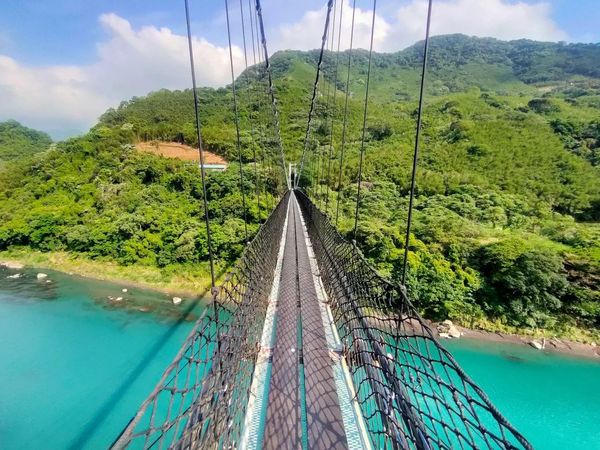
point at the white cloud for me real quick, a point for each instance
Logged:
(133, 61)
(491, 18)
(502, 19)
(130, 62)
(50, 98)
(306, 34)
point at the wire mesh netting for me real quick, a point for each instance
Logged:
(201, 399)
(411, 391)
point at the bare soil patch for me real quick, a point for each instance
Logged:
(179, 151)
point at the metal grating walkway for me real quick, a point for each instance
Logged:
(303, 405)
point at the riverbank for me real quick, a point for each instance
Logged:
(189, 281)
(552, 344)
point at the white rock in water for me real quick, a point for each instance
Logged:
(447, 329)
(177, 300)
(454, 332)
(41, 276)
(537, 345)
(124, 290)
(16, 275)
(119, 299)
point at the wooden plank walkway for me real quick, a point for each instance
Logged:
(301, 349)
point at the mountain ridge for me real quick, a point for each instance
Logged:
(508, 184)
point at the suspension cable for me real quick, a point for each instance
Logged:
(200, 147)
(345, 123)
(323, 154)
(314, 92)
(417, 140)
(364, 124)
(256, 57)
(327, 108)
(275, 112)
(265, 160)
(250, 16)
(237, 121)
(335, 80)
(256, 180)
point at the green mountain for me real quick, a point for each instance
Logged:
(17, 141)
(506, 232)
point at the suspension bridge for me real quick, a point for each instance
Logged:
(305, 345)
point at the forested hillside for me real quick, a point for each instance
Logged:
(17, 141)
(506, 232)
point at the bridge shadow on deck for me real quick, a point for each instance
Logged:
(302, 373)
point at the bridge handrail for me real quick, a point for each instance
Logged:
(202, 396)
(410, 377)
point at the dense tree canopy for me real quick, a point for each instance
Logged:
(17, 141)
(508, 186)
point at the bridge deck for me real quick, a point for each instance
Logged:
(303, 404)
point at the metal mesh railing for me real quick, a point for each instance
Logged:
(411, 391)
(201, 399)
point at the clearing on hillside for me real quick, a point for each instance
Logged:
(181, 151)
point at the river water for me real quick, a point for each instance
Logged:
(74, 367)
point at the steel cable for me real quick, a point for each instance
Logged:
(237, 122)
(335, 89)
(364, 123)
(314, 91)
(345, 123)
(417, 140)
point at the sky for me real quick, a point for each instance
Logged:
(64, 62)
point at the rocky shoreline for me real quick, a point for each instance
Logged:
(443, 330)
(98, 274)
(448, 330)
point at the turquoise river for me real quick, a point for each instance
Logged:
(74, 366)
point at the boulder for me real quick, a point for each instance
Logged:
(454, 332)
(119, 299)
(16, 275)
(41, 276)
(124, 290)
(447, 329)
(536, 344)
(177, 300)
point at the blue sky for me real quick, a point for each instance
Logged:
(63, 62)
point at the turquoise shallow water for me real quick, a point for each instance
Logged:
(75, 366)
(552, 399)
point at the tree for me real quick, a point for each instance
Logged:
(525, 281)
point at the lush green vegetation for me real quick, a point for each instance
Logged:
(17, 141)
(506, 231)
(98, 196)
